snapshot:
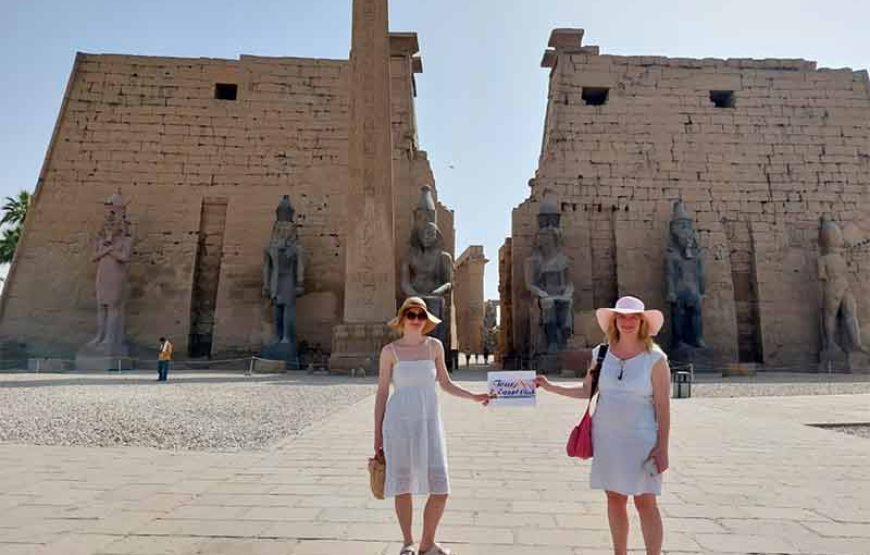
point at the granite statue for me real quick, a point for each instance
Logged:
(685, 281)
(283, 275)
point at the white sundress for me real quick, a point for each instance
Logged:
(413, 431)
(624, 427)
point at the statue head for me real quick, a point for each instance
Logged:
(283, 232)
(549, 214)
(430, 236)
(115, 222)
(683, 235)
(548, 240)
(830, 236)
(285, 211)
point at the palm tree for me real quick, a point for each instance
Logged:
(15, 208)
(14, 212)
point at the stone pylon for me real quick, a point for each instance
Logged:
(370, 280)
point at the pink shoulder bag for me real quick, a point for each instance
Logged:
(580, 441)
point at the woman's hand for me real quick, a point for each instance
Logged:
(483, 398)
(660, 456)
(542, 382)
(379, 442)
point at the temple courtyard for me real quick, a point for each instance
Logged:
(228, 463)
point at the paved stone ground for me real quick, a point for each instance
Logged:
(749, 476)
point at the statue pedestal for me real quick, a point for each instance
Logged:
(548, 363)
(263, 366)
(90, 357)
(103, 363)
(49, 365)
(703, 359)
(739, 369)
(835, 360)
(859, 363)
(285, 352)
(358, 346)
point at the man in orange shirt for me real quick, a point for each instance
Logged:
(163, 359)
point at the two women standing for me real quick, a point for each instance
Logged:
(631, 422)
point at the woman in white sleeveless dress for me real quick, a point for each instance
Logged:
(631, 422)
(408, 427)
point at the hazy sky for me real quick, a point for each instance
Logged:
(481, 97)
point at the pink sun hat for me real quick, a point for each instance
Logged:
(631, 305)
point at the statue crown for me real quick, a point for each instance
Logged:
(680, 212)
(285, 211)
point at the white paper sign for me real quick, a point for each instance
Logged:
(513, 389)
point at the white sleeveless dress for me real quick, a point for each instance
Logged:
(413, 431)
(624, 427)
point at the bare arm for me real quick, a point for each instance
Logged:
(823, 274)
(101, 250)
(300, 271)
(121, 251)
(661, 381)
(443, 376)
(576, 391)
(385, 375)
(568, 294)
(529, 273)
(671, 276)
(267, 271)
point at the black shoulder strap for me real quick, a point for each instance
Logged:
(602, 352)
(596, 372)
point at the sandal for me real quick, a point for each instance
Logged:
(408, 550)
(437, 549)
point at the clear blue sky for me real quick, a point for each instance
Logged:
(480, 100)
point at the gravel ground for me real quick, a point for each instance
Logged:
(780, 385)
(232, 412)
(193, 411)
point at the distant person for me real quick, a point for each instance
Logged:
(163, 359)
(631, 422)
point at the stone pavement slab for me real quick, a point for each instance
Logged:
(748, 476)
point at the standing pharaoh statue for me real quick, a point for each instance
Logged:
(112, 251)
(839, 308)
(547, 278)
(283, 273)
(428, 270)
(685, 281)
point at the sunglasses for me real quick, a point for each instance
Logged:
(415, 315)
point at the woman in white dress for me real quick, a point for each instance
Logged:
(408, 427)
(631, 422)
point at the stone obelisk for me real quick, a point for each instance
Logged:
(370, 279)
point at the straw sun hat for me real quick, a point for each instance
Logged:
(414, 302)
(631, 305)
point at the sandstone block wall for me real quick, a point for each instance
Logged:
(153, 128)
(757, 175)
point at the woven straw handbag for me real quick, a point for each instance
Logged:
(378, 474)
